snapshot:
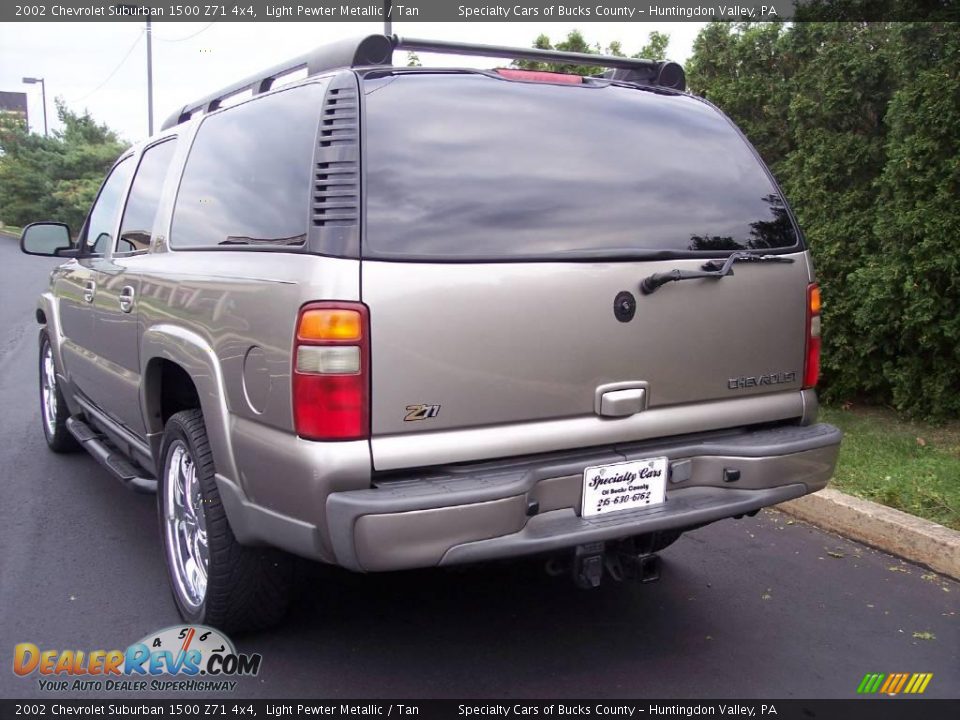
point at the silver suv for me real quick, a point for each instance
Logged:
(387, 317)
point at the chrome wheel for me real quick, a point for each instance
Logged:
(186, 526)
(48, 391)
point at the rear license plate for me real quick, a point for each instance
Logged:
(624, 486)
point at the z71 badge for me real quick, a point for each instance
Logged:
(421, 412)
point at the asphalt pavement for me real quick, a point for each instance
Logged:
(756, 608)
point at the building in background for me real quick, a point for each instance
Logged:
(13, 106)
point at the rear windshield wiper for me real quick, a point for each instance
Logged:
(711, 269)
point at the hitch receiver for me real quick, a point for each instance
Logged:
(644, 567)
(634, 559)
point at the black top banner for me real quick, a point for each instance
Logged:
(584, 11)
(198, 707)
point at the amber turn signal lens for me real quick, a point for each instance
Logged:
(814, 300)
(331, 324)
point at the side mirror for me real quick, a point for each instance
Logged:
(126, 246)
(45, 238)
(101, 244)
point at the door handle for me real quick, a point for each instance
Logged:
(620, 403)
(126, 298)
(89, 291)
(621, 399)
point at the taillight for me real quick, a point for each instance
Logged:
(331, 356)
(811, 370)
(539, 76)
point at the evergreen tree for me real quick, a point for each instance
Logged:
(54, 178)
(861, 124)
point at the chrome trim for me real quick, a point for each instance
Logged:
(126, 298)
(185, 526)
(48, 391)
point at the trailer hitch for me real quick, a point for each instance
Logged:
(630, 559)
(588, 565)
(635, 559)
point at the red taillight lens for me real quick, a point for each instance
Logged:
(539, 76)
(331, 378)
(811, 370)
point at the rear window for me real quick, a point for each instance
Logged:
(248, 177)
(465, 166)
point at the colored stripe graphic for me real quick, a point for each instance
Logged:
(900, 683)
(894, 683)
(891, 681)
(870, 683)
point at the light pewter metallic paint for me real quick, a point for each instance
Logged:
(517, 355)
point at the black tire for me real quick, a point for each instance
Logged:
(53, 414)
(247, 588)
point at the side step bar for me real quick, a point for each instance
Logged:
(117, 464)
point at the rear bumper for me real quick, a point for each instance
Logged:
(485, 511)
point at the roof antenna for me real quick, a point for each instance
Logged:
(387, 21)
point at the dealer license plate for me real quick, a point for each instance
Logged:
(624, 486)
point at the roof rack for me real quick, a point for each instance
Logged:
(650, 72)
(352, 52)
(377, 50)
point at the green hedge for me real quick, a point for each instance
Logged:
(56, 177)
(860, 123)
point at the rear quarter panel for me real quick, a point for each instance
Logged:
(243, 306)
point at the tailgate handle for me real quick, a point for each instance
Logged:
(622, 402)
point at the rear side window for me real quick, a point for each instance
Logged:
(144, 199)
(247, 181)
(473, 167)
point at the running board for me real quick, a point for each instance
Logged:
(121, 468)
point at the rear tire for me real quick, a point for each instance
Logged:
(215, 580)
(53, 408)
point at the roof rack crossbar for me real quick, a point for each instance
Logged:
(513, 53)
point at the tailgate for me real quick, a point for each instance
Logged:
(497, 344)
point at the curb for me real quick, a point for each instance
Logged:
(898, 533)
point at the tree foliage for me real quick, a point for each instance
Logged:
(654, 49)
(54, 178)
(861, 124)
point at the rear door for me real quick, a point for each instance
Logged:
(508, 227)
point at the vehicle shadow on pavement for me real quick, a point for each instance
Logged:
(754, 608)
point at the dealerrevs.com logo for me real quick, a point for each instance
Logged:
(188, 658)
